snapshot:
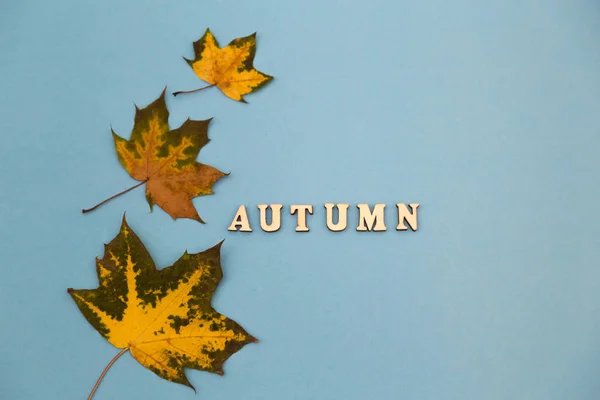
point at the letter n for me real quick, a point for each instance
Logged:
(410, 217)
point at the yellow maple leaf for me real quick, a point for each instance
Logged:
(229, 68)
(163, 317)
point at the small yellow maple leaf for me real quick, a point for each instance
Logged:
(163, 317)
(229, 68)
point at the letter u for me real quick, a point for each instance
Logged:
(275, 217)
(342, 217)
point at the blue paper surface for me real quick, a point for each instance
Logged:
(485, 113)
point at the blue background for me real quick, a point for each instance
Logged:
(486, 113)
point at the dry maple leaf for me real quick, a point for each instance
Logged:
(229, 68)
(163, 317)
(165, 160)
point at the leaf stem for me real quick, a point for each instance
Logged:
(115, 358)
(192, 91)
(112, 197)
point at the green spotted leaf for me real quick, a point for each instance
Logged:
(164, 318)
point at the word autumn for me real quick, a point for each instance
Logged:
(368, 220)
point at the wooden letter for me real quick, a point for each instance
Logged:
(366, 218)
(241, 220)
(410, 217)
(301, 210)
(275, 217)
(342, 217)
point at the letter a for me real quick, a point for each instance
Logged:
(240, 220)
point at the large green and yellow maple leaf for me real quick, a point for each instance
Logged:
(230, 68)
(165, 160)
(163, 317)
